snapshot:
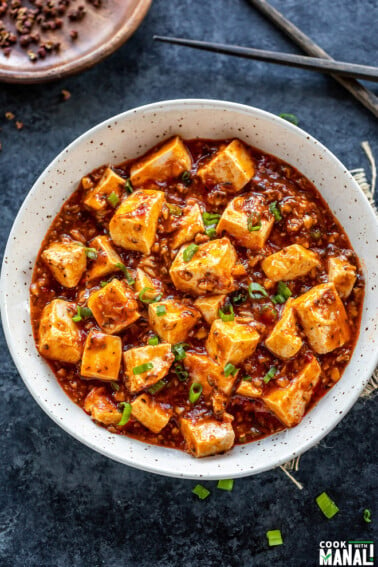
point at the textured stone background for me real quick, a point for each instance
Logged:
(62, 505)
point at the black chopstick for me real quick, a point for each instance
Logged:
(289, 59)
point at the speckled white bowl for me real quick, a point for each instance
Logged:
(126, 136)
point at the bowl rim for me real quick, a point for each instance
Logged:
(303, 445)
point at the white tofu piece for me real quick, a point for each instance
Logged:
(209, 270)
(150, 413)
(143, 281)
(289, 404)
(343, 275)
(249, 390)
(161, 358)
(207, 436)
(107, 258)
(209, 306)
(231, 341)
(59, 337)
(190, 225)
(101, 408)
(243, 212)
(289, 263)
(323, 318)
(67, 262)
(133, 225)
(177, 321)
(97, 197)
(169, 160)
(114, 306)
(232, 165)
(209, 374)
(101, 356)
(284, 341)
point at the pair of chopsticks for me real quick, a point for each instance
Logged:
(344, 73)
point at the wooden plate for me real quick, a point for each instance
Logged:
(100, 33)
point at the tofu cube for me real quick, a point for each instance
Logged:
(232, 165)
(343, 275)
(110, 182)
(209, 306)
(207, 436)
(249, 389)
(133, 225)
(101, 357)
(289, 404)
(231, 341)
(209, 374)
(114, 306)
(290, 263)
(243, 212)
(175, 324)
(190, 225)
(161, 358)
(107, 258)
(101, 408)
(150, 413)
(168, 161)
(323, 318)
(209, 270)
(59, 337)
(284, 340)
(67, 262)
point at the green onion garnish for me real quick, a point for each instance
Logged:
(274, 209)
(274, 537)
(247, 378)
(181, 373)
(194, 392)
(254, 222)
(82, 313)
(126, 272)
(149, 300)
(103, 284)
(226, 484)
(270, 374)
(174, 210)
(239, 298)
(210, 231)
(367, 516)
(186, 178)
(143, 368)
(161, 310)
(113, 199)
(91, 253)
(290, 118)
(229, 369)
(210, 219)
(126, 414)
(256, 291)
(153, 341)
(114, 386)
(316, 234)
(189, 252)
(157, 387)
(128, 186)
(327, 506)
(201, 491)
(230, 316)
(283, 293)
(179, 351)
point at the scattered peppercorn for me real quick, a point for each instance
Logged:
(19, 125)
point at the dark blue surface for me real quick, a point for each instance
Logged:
(62, 505)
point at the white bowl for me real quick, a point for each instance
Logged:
(124, 137)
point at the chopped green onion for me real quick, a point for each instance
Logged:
(327, 506)
(275, 210)
(143, 368)
(254, 222)
(157, 387)
(126, 272)
(239, 298)
(316, 234)
(278, 299)
(201, 491)
(229, 369)
(189, 252)
(225, 484)
(210, 219)
(146, 299)
(230, 316)
(270, 374)
(247, 378)
(113, 199)
(126, 413)
(103, 284)
(91, 253)
(186, 178)
(174, 210)
(367, 516)
(179, 351)
(256, 291)
(283, 293)
(82, 313)
(153, 341)
(194, 392)
(114, 386)
(128, 186)
(274, 537)
(210, 231)
(290, 118)
(161, 310)
(181, 373)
